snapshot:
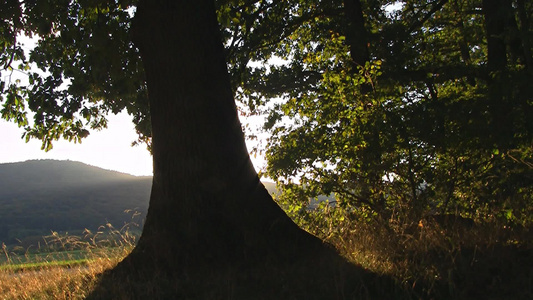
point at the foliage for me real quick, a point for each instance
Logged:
(433, 120)
(83, 66)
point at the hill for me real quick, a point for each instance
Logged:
(40, 196)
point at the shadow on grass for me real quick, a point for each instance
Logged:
(324, 275)
(496, 272)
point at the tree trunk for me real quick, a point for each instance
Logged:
(524, 33)
(212, 230)
(356, 34)
(496, 16)
(495, 20)
(207, 200)
(357, 38)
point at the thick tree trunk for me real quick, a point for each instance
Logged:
(524, 33)
(211, 224)
(206, 195)
(495, 21)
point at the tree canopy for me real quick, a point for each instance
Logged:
(419, 106)
(83, 66)
(400, 108)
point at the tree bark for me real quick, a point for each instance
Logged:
(211, 224)
(495, 14)
(356, 34)
(358, 40)
(495, 21)
(524, 35)
(207, 201)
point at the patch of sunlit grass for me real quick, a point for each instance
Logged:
(68, 267)
(56, 282)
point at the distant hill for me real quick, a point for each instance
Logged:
(39, 196)
(42, 195)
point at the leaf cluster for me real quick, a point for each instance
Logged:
(83, 65)
(434, 121)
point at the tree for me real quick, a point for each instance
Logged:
(210, 221)
(443, 127)
(204, 182)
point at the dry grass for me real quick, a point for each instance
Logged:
(485, 261)
(482, 262)
(53, 282)
(64, 267)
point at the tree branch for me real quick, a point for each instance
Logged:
(433, 10)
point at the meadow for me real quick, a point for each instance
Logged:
(430, 259)
(63, 266)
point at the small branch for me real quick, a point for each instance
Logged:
(8, 63)
(433, 10)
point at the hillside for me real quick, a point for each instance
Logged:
(44, 195)
(39, 196)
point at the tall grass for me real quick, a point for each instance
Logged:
(64, 266)
(435, 260)
(55, 282)
(431, 260)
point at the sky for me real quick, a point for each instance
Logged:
(109, 148)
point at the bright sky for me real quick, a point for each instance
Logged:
(109, 148)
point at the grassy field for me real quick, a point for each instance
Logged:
(49, 273)
(431, 261)
(64, 259)
(62, 266)
(66, 279)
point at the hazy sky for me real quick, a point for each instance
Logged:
(109, 148)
